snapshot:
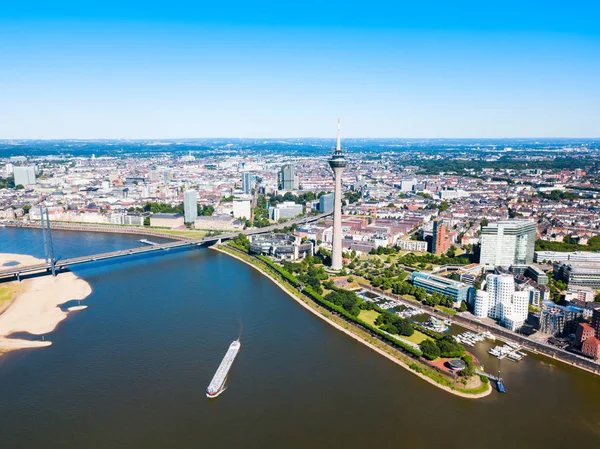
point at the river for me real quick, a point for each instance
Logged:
(131, 371)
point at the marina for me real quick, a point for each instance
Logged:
(510, 351)
(471, 338)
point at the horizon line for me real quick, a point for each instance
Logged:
(149, 139)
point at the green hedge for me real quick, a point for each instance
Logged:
(308, 291)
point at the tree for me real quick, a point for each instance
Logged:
(484, 222)
(404, 328)
(19, 187)
(469, 369)
(451, 251)
(205, 210)
(26, 208)
(463, 306)
(444, 206)
(429, 349)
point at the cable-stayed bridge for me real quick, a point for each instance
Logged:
(52, 266)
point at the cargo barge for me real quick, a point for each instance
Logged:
(217, 384)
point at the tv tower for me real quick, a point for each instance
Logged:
(337, 163)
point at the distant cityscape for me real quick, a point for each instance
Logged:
(510, 233)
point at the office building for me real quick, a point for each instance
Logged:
(579, 274)
(407, 185)
(506, 243)
(164, 220)
(190, 205)
(24, 176)
(576, 256)
(287, 210)
(440, 242)
(223, 222)
(280, 246)
(287, 177)
(326, 203)
(248, 182)
(502, 302)
(458, 291)
(337, 162)
(242, 208)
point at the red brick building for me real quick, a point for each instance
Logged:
(440, 242)
(591, 347)
(584, 331)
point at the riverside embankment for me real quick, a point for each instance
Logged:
(353, 330)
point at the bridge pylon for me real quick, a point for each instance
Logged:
(48, 243)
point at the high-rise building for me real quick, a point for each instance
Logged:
(326, 203)
(287, 177)
(596, 322)
(248, 182)
(502, 302)
(24, 176)
(507, 243)
(440, 242)
(337, 163)
(190, 205)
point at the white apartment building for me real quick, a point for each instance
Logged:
(502, 302)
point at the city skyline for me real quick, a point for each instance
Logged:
(198, 71)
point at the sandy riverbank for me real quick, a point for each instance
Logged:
(36, 307)
(357, 338)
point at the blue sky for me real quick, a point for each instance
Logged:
(289, 69)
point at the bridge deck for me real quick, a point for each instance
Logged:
(61, 264)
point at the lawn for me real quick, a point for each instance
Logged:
(368, 316)
(447, 310)
(417, 337)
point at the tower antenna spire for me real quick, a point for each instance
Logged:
(338, 147)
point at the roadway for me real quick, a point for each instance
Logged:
(43, 268)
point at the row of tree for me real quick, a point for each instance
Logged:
(568, 245)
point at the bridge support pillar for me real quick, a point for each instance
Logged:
(219, 242)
